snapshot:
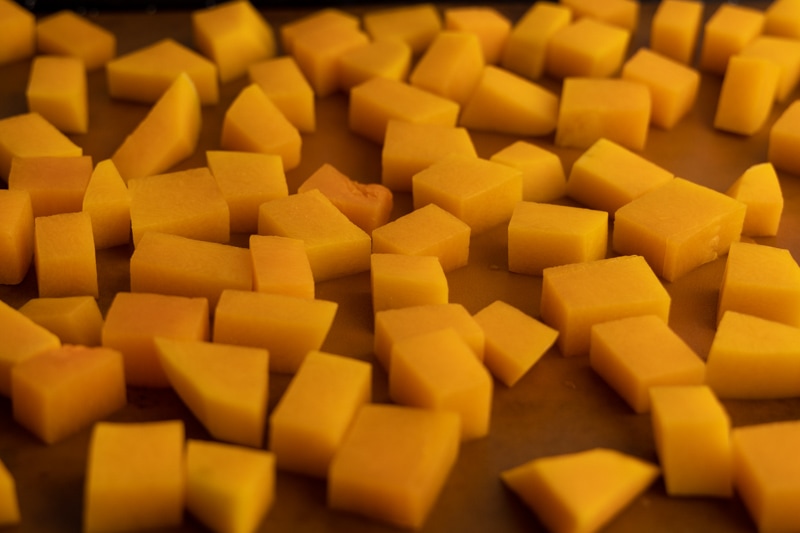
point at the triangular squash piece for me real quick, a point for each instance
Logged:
(758, 188)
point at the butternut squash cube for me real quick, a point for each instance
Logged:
(577, 296)
(480, 192)
(336, 247)
(782, 18)
(367, 205)
(378, 100)
(317, 54)
(145, 73)
(393, 463)
(451, 66)
(729, 29)
(225, 386)
(16, 236)
(64, 255)
(678, 227)
(543, 235)
(622, 13)
(783, 51)
(429, 230)
(182, 266)
(289, 327)
(56, 184)
(229, 488)
(386, 58)
(316, 411)
(76, 320)
(135, 319)
(591, 109)
(416, 25)
(515, 341)
(67, 33)
(691, 428)
(63, 391)
(247, 180)
(543, 177)
(135, 476)
(525, 52)
(504, 102)
(318, 20)
(18, 25)
(760, 190)
(587, 48)
(281, 266)
(57, 90)
(108, 202)
(400, 280)
(784, 140)
(747, 94)
(167, 135)
(9, 501)
(31, 135)
(285, 84)
(581, 491)
(635, 353)
(675, 29)
(233, 35)
(490, 25)
(253, 123)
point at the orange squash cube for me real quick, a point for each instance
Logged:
(108, 202)
(587, 47)
(416, 25)
(451, 66)
(760, 190)
(31, 135)
(317, 54)
(525, 52)
(76, 320)
(67, 33)
(400, 280)
(57, 90)
(55, 184)
(9, 501)
(675, 29)
(285, 84)
(18, 25)
(384, 58)
(782, 18)
(543, 177)
(281, 266)
(489, 24)
(16, 236)
(726, 32)
(64, 255)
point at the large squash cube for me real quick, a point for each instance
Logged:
(284, 83)
(747, 94)
(490, 25)
(587, 47)
(385, 58)
(525, 51)
(760, 190)
(281, 266)
(543, 177)
(55, 184)
(782, 18)
(9, 501)
(64, 255)
(675, 29)
(400, 280)
(77, 320)
(783, 51)
(18, 26)
(108, 202)
(451, 66)
(729, 29)
(317, 54)
(31, 135)
(67, 33)
(416, 25)
(784, 140)
(16, 236)
(57, 90)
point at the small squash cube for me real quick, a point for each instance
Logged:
(729, 29)
(784, 140)
(18, 26)
(108, 202)
(588, 48)
(490, 25)
(747, 94)
(64, 255)
(281, 266)
(76, 320)
(385, 58)
(451, 66)
(67, 33)
(31, 135)
(622, 13)
(56, 184)
(318, 53)
(416, 25)
(783, 51)
(525, 52)
(675, 29)
(319, 20)
(285, 84)
(760, 190)
(400, 280)
(57, 90)
(16, 236)
(543, 177)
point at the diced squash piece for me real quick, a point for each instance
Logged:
(753, 358)
(429, 230)
(22, 338)
(673, 85)
(607, 175)
(18, 26)
(57, 90)
(480, 192)
(543, 177)
(782, 18)
(316, 411)
(490, 25)
(747, 94)
(580, 492)
(135, 476)
(336, 247)
(284, 83)
(108, 202)
(281, 266)
(317, 54)
(9, 501)
(135, 319)
(393, 463)
(765, 474)
(525, 52)
(783, 51)
(635, 353)
(247, 180)
(400, 280)
(784, 140)
(416, 25)
(167, 135)
(76, 320)
(289, 327)
(691, 428)
(233, 35)
(229, 488)
(395, 325)
(451, 66)
(586, 48)
(31, 135)
(678, 227)
(63, 391)
(386, 58)
(577, 296)
(253, 123)
(319, 20)
(760, 190)
(367, 205)
(544, 235)
(68, 33)
(225, 386)
(16, 236)
(675, 28)
(515, 341)
(622, 13)
(729, 29)
(378, 100)
(172, 264)
(64, 255)
(55, 184)
(591, 108)
(504, 102)
(145, 73)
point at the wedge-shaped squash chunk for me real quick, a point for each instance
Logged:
(289, 327)
(63, 391)
(580, 492)
(678, 227)
(783, 51)
(451, 66)
(400, 280)
(729, 29)
(76, 320)
(577, 296)
(285, 84)
(64, 255)
(18, 25)
(135, 476)
(336, 247)
(675, 29)
(525, 51)
(9, 500)
(782, 18)
(622, 13)
(167, 135)
(393, 463)
(108, 202)
(416, 25)
(747, 94)
(759, 189)
(490, 25)
(229, 488)
(587, 47)
(31, 135)
(318, 20)
(16, 235)
(57, 90)
(313, 416)
(67, 33)
(55, 184)
(281, 266)
(225, 386)
(318, 53)
(543, 178)
(384, 58)
(784, 140)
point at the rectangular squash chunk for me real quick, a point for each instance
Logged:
(75, 319)
(16, 236)
(525, 50)
(588, 47)
(729, 29)
(401, 280)
(281, 266)
(285, 84)
(416, 25)
(64, 255)
(386, 58)
(675, 29)
(747, 94)
(318, 20)
(783, 51)
(760, 190)
(543, 177)
(108, 202)
(18, 27)
(57, 89)
(31, 135)
(56, 184)
(490, 25)
(450, 66)
(68, 33)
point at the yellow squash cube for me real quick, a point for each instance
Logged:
(783, 51)
(284, 83)
(318, 20)
(16, 236)
(18, 26)
(729, 29)
(416, 25)
(9, 501)
(747, 94)
(675, 29)
(622, 13)
(400, 280)
(784, 140)
(57, 90)
(31, 135)
(760, 190)
(56, 184)
(317, 54)
(543, 177)
(281, 266)
(451, 66)
(525, 51)
(782, 18)
(67, 33)
(490, 25)
(64, 255)
(385, 58)
(108, 202)
(588, 48)
(76, 320)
